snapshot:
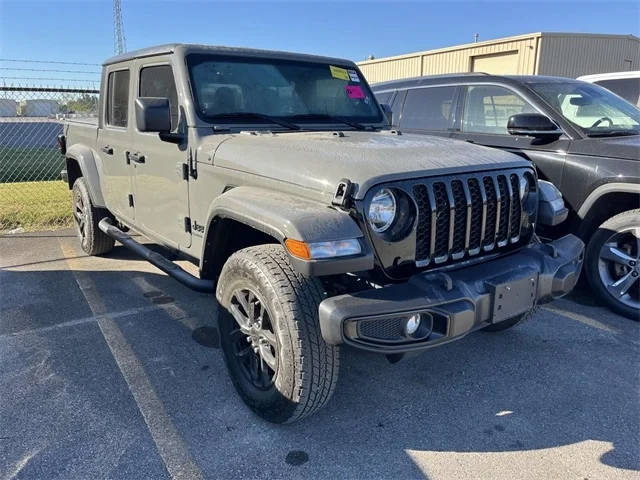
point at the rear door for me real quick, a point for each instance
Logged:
(161, 186)
(114, 139)
(485, 110)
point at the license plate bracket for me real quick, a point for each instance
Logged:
(512, 297)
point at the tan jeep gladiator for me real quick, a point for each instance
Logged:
(315, 224)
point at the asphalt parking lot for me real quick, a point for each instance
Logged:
(110, 369)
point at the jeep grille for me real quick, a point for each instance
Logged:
(463, 217)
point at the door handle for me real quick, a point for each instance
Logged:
(107, 149)
(136, 157)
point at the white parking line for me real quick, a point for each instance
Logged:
(81, 321)
(581, 318)
(170, 445)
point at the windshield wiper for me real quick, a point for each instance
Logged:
(261, 116)
(613, 133)
(324, 116)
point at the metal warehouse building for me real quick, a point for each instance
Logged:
(561, 54)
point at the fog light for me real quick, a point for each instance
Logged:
(412, 325)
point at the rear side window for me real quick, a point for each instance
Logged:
(118, 98)
(157, 81)
(383, 97)
(396, 106)
(487, 109)
(627, 88)
(428, 108)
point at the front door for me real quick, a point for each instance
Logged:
(114, 139)
(485, 112)
(161, 189)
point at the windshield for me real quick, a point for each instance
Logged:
(595, 110)
(256, 90)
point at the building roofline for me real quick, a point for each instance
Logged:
(495, 41)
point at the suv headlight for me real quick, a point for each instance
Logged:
(382, 210)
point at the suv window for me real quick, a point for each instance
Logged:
(428, 108)
(487, 109)
(383, 97)
(118, 98)
(627, 88)
(157, 81)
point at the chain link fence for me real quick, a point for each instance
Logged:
(32, 195)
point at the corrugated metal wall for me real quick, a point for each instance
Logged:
(450, 60)
(569, 55)
(576, 55)
(460, 60)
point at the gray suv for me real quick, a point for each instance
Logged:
(315, 224)
(580, 136)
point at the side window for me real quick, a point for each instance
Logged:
(118, 98)
(487, 109)
(158, 81)
(428, 108)
(396, 106)
(383, 97)
(627, 88)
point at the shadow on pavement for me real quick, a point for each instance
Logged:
(550, 382)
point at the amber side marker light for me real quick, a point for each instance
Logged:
(297, 248)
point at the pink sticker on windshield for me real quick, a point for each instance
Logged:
(354, 91)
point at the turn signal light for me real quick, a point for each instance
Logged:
(297, 248)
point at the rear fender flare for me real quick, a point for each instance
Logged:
(87, 163)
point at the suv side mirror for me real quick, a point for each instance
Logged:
(153, 114)
(532, 124)
(386, 109)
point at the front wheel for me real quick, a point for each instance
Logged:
(612, 263)
(270, 335)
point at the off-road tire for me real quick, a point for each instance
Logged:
(506, 324)
(307, 370)
(615, 224)
(92, 240)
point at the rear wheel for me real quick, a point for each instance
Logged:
(86, 218)
(270, 335)
(612, 263)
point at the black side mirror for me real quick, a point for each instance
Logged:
(153, 114)
(532, 124)
(386, 109)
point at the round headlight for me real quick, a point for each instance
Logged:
(382, 210)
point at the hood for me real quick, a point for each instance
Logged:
(627, 148)
(319, 160)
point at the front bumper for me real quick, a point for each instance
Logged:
(453, 303)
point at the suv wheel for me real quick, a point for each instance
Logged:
(270, 335)
(613, 263)
(86, 218)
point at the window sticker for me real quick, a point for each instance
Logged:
(354, 91)
(353, 75)
(337, 72)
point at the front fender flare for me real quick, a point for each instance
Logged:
(87, 163)
(614, 187)
(283, 216)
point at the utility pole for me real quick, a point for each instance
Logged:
(119, 42)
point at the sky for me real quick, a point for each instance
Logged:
(82, 31)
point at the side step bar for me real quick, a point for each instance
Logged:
(156, 259)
